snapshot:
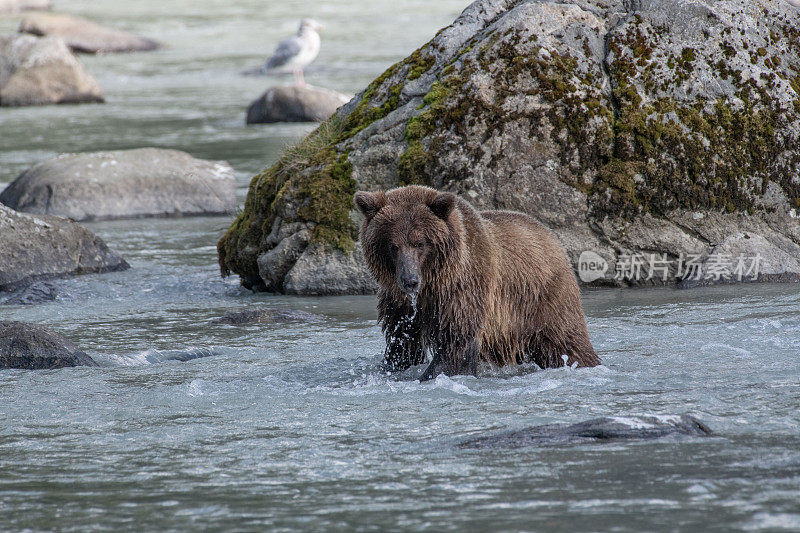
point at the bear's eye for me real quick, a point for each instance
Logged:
(419, 244)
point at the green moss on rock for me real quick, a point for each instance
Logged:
(366, 112)
(419, 63)
(411, 167)
(702, 154)
(310, 184)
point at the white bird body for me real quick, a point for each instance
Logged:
(297, 52)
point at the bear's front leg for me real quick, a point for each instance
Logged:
(454, 358)
(404, 343)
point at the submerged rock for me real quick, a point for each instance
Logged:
(292, 103)
(31, 347)
(15, 6)
(635, 130)
(42, 70)
(183, 355)
(124, 184)
(608, 429)
(266, 316)
(83, 35)
(43, 247)
(35, 293)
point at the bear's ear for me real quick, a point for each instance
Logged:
(369, 203)
(443, 204)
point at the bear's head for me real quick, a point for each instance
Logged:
(409, 235)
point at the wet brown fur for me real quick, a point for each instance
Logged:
(495, 285)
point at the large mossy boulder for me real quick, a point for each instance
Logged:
(41, 71)
(628, 127)
(83, 35)
(144, 182)
(45, 247)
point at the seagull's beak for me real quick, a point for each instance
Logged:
(320, 27)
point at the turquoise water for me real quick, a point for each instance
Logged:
(191, 424)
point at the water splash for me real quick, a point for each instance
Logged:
(153, 356)
(414, 297)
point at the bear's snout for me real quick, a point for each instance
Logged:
(407, 275)
(409, 282)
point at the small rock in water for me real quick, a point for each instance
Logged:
(31, 347)
(266, 316)
(293, 103)
(83, 35)
(44, 247)
(41, 71)
(15, 6)
(182, 355)
(607, 429)
(35, 293)
(124, 184)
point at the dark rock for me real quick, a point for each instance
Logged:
(154, 357)
(124, 184)
(293, 103)
(31, 347)
(83, 35)
(41, 71)
(266, 316)
(607, 429)
(35, 293)
(44, 247)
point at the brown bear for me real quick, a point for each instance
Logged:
(493, 286)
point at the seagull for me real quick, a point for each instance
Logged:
(295, 53)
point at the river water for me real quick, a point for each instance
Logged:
(191, 424)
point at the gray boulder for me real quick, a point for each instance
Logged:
(746, 258)
(325, 271)
(31, 347)
(40, 71)
(633, 129)
(597, 430)
(15, 6)
(44, 247)
(124, 184)
(83, 35)
(292, 103)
